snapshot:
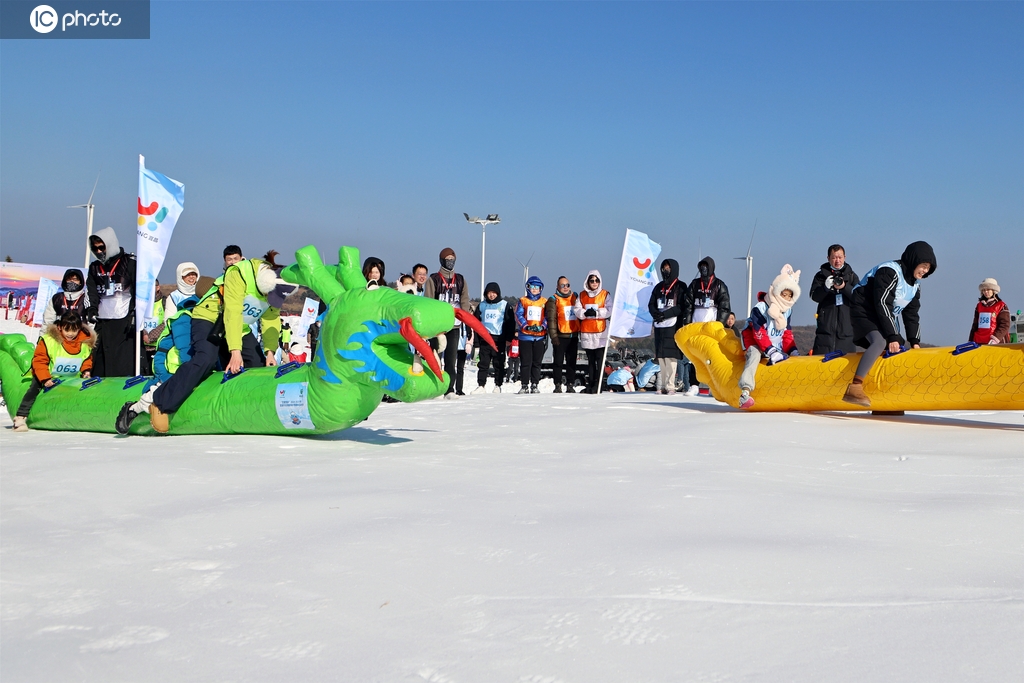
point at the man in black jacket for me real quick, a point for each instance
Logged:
(707, 297)
(110, 285)
(831, 290)
(666, 309)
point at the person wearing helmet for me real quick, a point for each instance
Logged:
(533, 329)
(238, 300)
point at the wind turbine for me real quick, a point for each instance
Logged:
(89, 208)
(526, 268)
(750, 268)
(483, 223)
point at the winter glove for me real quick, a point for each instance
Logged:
(658, 317)
(775, 356)
(90, 315)
(591, 313)
(829, 281)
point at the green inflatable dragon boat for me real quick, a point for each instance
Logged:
(363, 353)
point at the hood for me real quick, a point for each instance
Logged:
(86, 335)
(914, 255)
(777, 306)
(492, 287)
(674, 268)
(64, 280)
(180, 272)
(109, 240)
(534, 280)
(600, 283)
(711, 265)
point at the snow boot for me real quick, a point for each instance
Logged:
(745, 401)
(558, 389)
(19, 424)
(525, 389)
(855, 394)
(570, 389)
(534, 389)
(496, 389)
(692, 391)
(480, 389)
(159, 420)
(125, 418)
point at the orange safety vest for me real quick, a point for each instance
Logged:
(593, 325)
(537, 310)
(567, 322)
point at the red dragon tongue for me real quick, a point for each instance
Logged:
(418, 343)
(470, 320)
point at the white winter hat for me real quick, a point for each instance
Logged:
(777, 306)
(182, 270)
(989, 283)
(266, 279)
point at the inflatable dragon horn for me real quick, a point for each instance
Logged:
(964, 378)
(363, 353)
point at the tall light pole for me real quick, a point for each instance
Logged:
(483, 223)
(750, 269)
(89, 208)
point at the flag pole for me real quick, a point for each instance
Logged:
(608, 339)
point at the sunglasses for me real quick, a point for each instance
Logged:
(592, 279)
(564, 285)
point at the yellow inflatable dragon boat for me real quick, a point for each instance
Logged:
(982, 378)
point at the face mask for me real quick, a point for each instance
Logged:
(100, 254)
(703, 271)
(449, 263)
(73, 286)
(666, 274)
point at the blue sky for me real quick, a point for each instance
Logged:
(378, 124)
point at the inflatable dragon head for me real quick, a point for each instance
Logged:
(375, 338)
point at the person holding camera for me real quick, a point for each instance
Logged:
(831, 291)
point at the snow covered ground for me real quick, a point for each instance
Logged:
(523, 539)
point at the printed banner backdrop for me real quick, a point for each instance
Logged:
(47, 288)
(23, 278)
(638, 273)
(161, 201)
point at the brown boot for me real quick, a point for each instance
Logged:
(855, 394)
(159, 419)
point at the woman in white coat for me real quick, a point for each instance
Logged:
(593, 308)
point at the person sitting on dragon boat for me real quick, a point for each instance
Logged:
(235, 303)
(888, 290)
(187, 277)
(64, 350)
(768, 333)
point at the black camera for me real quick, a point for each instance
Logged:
(838, 281)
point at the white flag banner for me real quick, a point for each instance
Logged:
(47, 288)
(638, 274)
(309, 311)
(161, 201)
